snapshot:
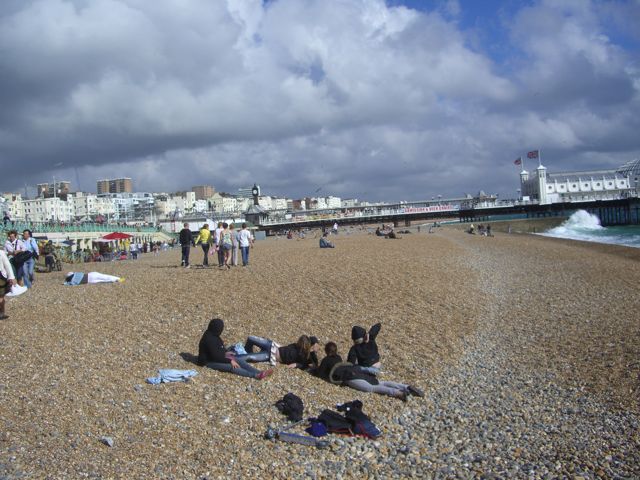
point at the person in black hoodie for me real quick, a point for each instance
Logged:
(186, 241)
(301, 354)
(364, 351)
(212, 353)
(334, 370)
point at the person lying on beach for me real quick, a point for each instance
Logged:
(364, 351)
(334, 370)
(212, 354)
(81, 278)
(301, 354)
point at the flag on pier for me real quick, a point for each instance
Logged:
(533, 154)
(518, 161)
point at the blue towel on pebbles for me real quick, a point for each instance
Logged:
(168, 375)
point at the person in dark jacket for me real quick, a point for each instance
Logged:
(212, 353)
(301, 354)
(334, 370)
(364, 351)
(186, 241)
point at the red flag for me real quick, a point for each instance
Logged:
(517, 161)
(533, 154)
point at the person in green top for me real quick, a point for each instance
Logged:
(204, 239)
(226, 244)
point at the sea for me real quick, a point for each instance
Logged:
(584, 226)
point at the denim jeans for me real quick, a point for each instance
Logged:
(27, 272)
(185, 255)
(245, 255)
(205, 249)
(220, 256)
(264, 344)
(244, 370)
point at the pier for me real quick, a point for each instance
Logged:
(622, 211)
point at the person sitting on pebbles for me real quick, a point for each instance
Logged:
(212, 354)
(364, 351)
(301, 354)
(334, 370)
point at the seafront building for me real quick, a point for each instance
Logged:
(580, 186)
(116, 185)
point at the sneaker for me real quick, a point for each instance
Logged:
(4, 317)
(264, 374)
(416, 392)
(187, 266)
(402, 396)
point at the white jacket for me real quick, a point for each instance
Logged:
(5, 266)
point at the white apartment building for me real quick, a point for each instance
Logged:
(223, 203)
(88, 206)
(48, 209)
(278, 203)
(200, 206)
(13, 205)
(333, 202)
(349, 203)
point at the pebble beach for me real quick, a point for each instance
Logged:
(527, 349)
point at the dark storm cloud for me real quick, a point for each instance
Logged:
(350, 98)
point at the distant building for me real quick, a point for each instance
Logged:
(57, 189)
(203, 191)
(116, 185)
(48, 210)
(581, 186)
(246, 192)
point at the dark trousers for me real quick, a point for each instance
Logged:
(185, 255)
(205, 249)
(220, 256)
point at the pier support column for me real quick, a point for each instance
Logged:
(407, 223)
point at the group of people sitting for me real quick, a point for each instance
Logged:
(358, 372)
(482, 230)
(386, 231)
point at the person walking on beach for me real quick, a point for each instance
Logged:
(204, 239)
(225, 245)
(186, 241)
(234, 245)
(218, 244)
(245, 240)
(7, 280)
(29, 245)
(13, 246)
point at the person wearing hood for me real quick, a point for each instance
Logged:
(334, 370)
(212, 353)
(364, 351)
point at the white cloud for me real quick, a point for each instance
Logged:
(296, 95)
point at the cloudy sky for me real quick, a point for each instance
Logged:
(378, 100)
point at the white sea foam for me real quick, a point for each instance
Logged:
(586, 227)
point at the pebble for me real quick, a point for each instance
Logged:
(517, 382)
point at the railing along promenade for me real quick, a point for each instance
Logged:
(42, 229)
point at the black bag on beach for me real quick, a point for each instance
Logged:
(291, 405)
(19, 258)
